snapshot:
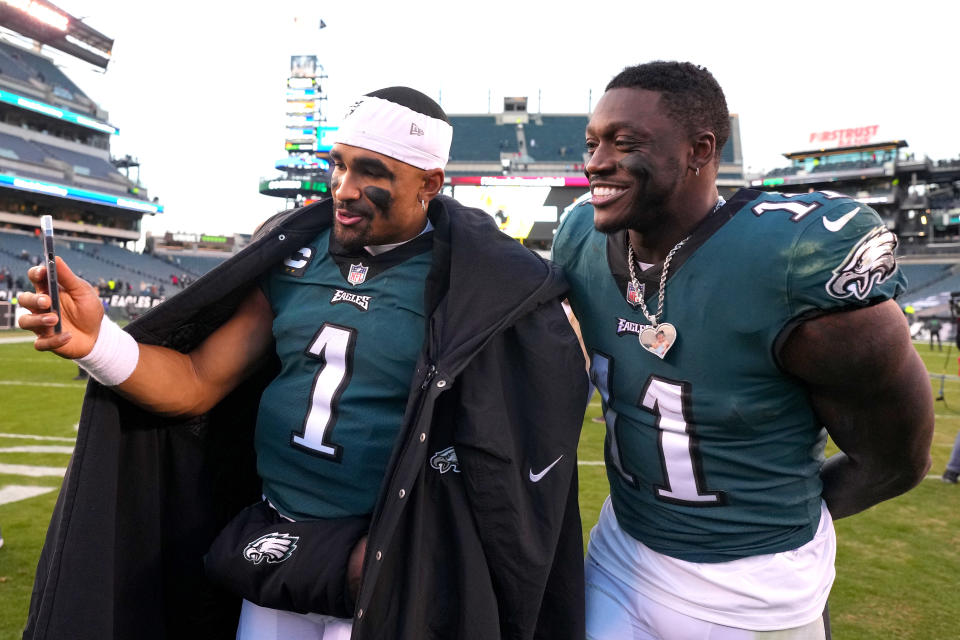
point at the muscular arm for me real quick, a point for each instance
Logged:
(871, 391)
(172, 383)
(165, 381)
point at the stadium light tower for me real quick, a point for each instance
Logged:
(306, 168)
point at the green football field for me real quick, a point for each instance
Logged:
(898, 564)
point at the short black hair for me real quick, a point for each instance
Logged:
(691, 95)
(411, 99)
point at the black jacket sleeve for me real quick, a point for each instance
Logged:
(518, 450)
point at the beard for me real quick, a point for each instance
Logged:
(356, 236)
(352, 240)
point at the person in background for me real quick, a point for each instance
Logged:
(952, 471)
(933, 326)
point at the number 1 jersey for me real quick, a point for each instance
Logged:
(348, 332)
(713, 453)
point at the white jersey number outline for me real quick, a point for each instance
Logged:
(333, 345)
(683, 478)
(797, 210)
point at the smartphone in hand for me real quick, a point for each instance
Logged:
(46, 225)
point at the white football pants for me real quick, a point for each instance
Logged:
(260, 623)
(616, 612)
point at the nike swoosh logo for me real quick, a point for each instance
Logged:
(536, 477)
(839, 223)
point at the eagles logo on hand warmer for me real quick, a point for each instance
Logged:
(274, 547)
(869, 263)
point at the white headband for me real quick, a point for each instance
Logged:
(396, 131)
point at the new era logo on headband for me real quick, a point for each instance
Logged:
(415, 130)
(352, 108)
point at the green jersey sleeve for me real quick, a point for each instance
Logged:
(844, 257)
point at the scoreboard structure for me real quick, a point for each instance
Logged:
(305, 170)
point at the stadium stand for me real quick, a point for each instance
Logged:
(194, 265)
(99, 263)
(937, 290)
(922, 277)
(59, 140)
(110, 259)
(728, 153)
(25, 66)
(18, 252)
(16, 148)
(87, 165)
(556, 138)
(480, 138)
(11, 67)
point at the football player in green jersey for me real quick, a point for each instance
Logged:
(419, 401)
(727, 340)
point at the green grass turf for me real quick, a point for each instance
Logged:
(898, 564)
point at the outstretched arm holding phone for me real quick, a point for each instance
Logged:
(162, 380)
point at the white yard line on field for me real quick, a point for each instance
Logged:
(37, 448)
(24, 383)
(32, 471)
(14, 493)
(27, 436)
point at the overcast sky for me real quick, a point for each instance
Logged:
(197, 88)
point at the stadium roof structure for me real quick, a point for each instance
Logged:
(873, 146)
(48, 24)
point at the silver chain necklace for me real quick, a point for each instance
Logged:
(659, 336)
(631, 259)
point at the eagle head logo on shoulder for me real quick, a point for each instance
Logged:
(869, 263)
(274, 548)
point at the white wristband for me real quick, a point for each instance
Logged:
(114, 355)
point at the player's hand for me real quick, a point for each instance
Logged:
(355, 568)
(80, 313)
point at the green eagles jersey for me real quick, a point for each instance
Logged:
(713, 452)
(348, 332)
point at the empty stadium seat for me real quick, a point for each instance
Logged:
(557, 139)
(17, 148)
(91, 165)
(480, 138)
(25, 66)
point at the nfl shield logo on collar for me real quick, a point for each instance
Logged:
(358, 273)
(635, 296)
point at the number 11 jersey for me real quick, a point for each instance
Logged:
(713, 452)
